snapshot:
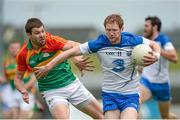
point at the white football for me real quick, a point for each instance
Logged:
(139, 52)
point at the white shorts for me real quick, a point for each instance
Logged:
(75, 93)
(18, 101)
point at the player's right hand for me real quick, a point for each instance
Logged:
(41, 71)
(149, 59)
(84, 64)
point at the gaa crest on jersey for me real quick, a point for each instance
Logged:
(128, 53)
(46, 55)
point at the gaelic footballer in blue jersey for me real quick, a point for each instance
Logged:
(155, 78)
(120, 85)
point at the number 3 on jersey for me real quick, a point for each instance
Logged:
(119, 65)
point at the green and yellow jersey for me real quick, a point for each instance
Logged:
(59, 76)
(10, 67)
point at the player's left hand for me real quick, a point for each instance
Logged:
(150, 59)
(25, 97)
(41, 71)
(84, 64)
(2, 79)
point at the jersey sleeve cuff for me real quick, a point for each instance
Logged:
(84, 48)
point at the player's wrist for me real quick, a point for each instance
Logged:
(23, 92)
(48, 67)
(157, 54)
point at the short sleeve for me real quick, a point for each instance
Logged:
(133, 39)
(98, 43)
(138, 40)
(56, 42)
(21, 61)
(168, 46)
(166, 42)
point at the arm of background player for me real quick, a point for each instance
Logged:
(19, 83)
(5, 74)
(171, 55)
(2, 79)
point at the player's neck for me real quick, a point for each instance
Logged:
(35, 46)
(117, 41)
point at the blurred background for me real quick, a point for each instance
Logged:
(81, 20)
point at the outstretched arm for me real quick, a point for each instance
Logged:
(171, 55)
(75, 51)
(80, 62)
(42, 71)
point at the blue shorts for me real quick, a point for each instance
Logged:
(160, 91)
(115, 101)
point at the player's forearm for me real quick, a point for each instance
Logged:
(70, 44)
(76, 58)
(63, 56)
(73, 43)
(170, 55)
(19, 85)
(5, 77)
(2, 80)
(156, 48)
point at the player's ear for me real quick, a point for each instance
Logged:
(155, 27)
(29, 35)
(122, 28)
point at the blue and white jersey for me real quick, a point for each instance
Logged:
(158, 72)
(119, 72)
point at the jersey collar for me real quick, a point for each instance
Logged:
(29, 45)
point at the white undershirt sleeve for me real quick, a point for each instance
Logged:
(146, 41)
(84, 48)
